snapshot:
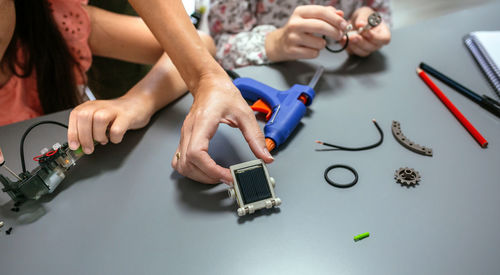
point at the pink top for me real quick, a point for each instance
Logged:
(19, 96)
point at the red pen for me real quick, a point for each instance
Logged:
(472, 130)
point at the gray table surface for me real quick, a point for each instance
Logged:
(123, 210)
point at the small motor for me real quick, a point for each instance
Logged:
(44, 179)
(253, 189)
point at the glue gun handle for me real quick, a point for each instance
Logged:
(284, 121)
(253, 90)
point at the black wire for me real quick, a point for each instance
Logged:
(23, 163)
(338, 147)
(339, 50)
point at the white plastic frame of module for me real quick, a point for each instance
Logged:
(253, 188)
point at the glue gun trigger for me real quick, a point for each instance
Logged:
(261, 107)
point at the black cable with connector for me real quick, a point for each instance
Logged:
(338, 147)
(23, 163)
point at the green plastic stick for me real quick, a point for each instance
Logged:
(79, 150)
(361, 236)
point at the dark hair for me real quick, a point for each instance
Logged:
(45, 51)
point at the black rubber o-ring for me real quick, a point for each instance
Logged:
(332, 183)
(339, 50)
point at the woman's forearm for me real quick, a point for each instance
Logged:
(178, 38)
(162, 85)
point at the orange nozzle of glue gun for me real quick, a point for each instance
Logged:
(303, 98)
(270, 144)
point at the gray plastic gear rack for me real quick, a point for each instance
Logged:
(403, 140)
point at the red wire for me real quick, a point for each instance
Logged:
(48, 154)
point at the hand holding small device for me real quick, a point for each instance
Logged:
(367, 39)
(216, 101)
(105, 120)
(298, 38)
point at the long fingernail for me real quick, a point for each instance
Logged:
(74, 145)
(268, 155)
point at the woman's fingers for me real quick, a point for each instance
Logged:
(118, 129)
(101, 122)
(317, 26)
(311, 41)
(182, 163)
(360, 46)
(304, 53)
(327, 14)
(197, 151)
(84, 128)
(253, 136)
(357, 50)
(73, 141)
(380, 35)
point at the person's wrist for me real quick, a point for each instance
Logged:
(215, 78)
(209, 69)
(141, 101)
(272, 44)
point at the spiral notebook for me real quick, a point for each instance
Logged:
(485, 47)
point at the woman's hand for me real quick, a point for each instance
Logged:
(106, 120)
(297, 39)
(369, 40)
(216, 101)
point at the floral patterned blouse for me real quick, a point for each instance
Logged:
(239, 27)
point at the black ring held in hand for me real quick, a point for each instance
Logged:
(332, 183)
(339, 50)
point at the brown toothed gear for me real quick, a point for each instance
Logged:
(407, 176)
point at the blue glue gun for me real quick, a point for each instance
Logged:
(283, 109)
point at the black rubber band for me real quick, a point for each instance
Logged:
(339, 50)
(332, 183)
